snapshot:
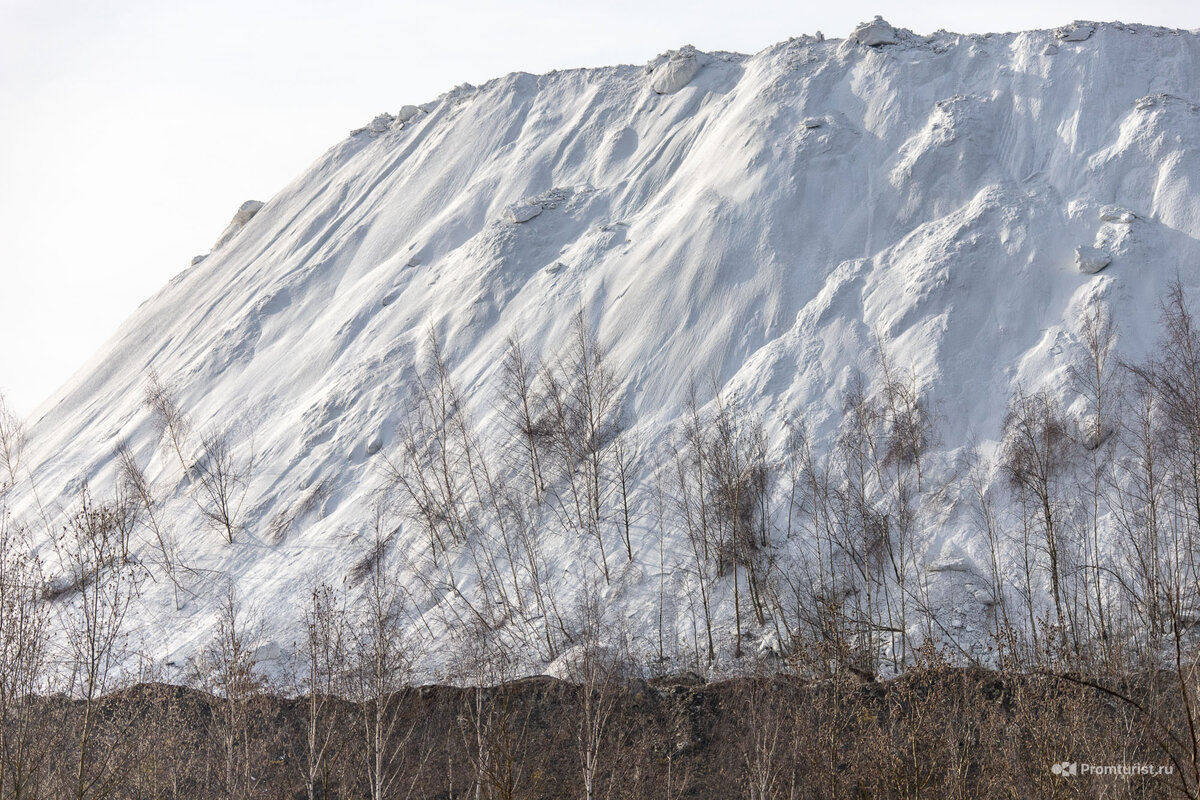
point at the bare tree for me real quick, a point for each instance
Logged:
(598, 666)
(1037, 456)
(24, 631)
(978, 471)
(910, 425)
(494, 722)
(736, 457)
(582, 403)
(380, 660)
(909, 431)
(625, 448)
(819, 582)
(1175, 378)
(223, 477)
(862, 529)
(12, 447)
(762, 714)
(324, 655)
(137, 488)
(433, 472)
(522, 409)
(173, 426)
(100, 587)
(219, 469)
(1094, 377)
(693, 507)
(24, 653)
(1141, 511)
(228, 669)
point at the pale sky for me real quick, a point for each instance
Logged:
(131, 131)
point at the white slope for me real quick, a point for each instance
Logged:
(749, 219)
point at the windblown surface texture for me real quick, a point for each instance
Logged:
(749, 222)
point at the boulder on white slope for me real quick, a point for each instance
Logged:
(1076, 32)
(380, 124)
(676, 71)
(953, 563)
(875, 33)
(1095, 435)
(522, 212)
(377, 126)
(408, 113)
(245, 213)
(1091, 260)
(1117, 214)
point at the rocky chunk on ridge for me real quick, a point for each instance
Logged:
(245, 213)
(675, 69)
(876, 33)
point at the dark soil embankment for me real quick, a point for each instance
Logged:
(933, 733)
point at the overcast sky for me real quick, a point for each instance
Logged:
(131, 131)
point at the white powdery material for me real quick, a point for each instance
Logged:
(759, 237)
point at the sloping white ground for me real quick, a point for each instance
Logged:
(750, 218)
